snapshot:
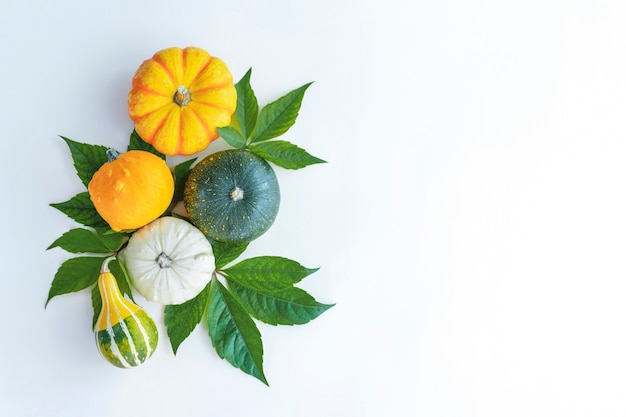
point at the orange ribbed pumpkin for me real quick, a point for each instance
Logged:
(179, 98)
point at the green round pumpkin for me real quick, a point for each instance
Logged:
(232, 196)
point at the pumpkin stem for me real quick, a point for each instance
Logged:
(105, 264)
(236, 194)
(112, 154)
(164, 261)
(182, 96)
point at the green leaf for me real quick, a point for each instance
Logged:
(268, 273)
(181, 173)
(226, 252)
(138, 144)
(277, 117)
(75, 274)
(81, 209)
(87, 241)
(87, 158)
(233, 333)
(182, 319)
(288, 307)
(121, 276)
(232, 136)
(110, 239)
(284, 154)
(247, 110)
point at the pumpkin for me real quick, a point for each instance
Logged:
(179, 98)
(132, 189)
(232, 196)
(125, 335)
(169, 261)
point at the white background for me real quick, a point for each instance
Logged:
(470, 224)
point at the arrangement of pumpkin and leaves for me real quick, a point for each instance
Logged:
(176, 235)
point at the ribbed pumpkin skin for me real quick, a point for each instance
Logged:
(125, 335)
(179, 98)
(208, 196)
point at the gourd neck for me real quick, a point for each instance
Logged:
(106, 281)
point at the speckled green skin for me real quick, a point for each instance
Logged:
(208, 199)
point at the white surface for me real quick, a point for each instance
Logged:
(469, 225)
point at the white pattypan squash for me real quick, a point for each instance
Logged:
(169, 261)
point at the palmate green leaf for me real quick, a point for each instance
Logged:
(247, 110)
(75, 274)
(181, 173)
(277, 117)
(287, 307)
(123, 282)
(87, 158)
(81, 209)
(233, 333)
(226, 252)
(268, 273)
(88, 241)
(137, 144)
(232, 136)
(284, 154)
(182, 319)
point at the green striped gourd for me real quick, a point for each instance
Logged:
(126, 336)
